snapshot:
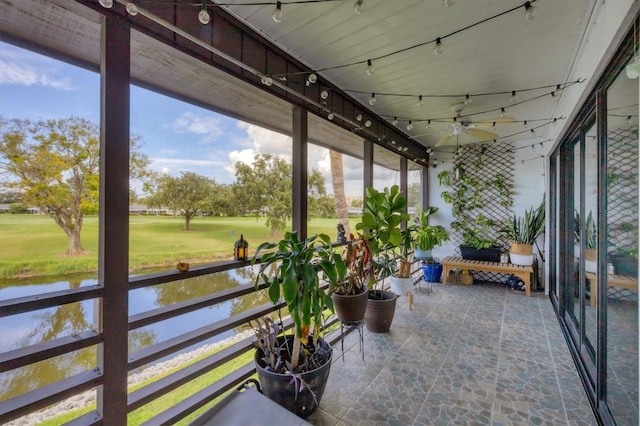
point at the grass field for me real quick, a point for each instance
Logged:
(33, 245)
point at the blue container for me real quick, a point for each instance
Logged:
(432, 271)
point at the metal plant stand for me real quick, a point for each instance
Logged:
(359, 326)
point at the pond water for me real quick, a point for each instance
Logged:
(47, 324)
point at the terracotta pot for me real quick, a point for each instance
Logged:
(349, 307)
(381, 306)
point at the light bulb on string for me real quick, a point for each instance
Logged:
(514, 97)
(525, 123)
(447, 3)
(277, 14)
(324, 94)
(405, 149)
(312, 78)
(370, 68)
(330, 116)
(358, 7)
(395, 121)
(428, 124)
(266, 80)
(107, 4)
(439, 48)
(429, 150)
(467, 100)
(359, 117)
(503, 112)
(410, 125)
(419, 103)
(132, 9)
(203, 15)
(367, 123)
(529, 11)
(372, 99)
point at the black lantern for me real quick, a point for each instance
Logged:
(240, 249)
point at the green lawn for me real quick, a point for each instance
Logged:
(33, 245)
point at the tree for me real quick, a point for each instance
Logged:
(316, 196)
(187, 194)
(265, 188)
(337, 180)
(54, 164)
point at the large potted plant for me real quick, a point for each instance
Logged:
(523, 231)
(590, 241)
(293, 369)
(350, 294)
(383, 212)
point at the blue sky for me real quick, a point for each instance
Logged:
(177, 136)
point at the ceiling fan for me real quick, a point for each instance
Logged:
(464, 131)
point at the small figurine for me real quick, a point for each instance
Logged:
(341, 237)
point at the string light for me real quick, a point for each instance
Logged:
(370, 69)
(132, 9)
(108, 4)
(447, 3)
(529, 11)
(312, 78)
(359, 117)
(419, 103)
(439, 48)
(330, 116)
(324, 94)
(514, 97)
(467, 100)
(428, 124)
(367, 123)
(395, 121)
(410, 125)
(277, 14)
(358, 7)
(503, 112)
(203, 15)
(372, 100)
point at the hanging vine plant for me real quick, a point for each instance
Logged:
(474, 198)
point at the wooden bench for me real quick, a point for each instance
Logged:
(522, 272)
(617, 281)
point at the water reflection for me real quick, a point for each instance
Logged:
(31, 328)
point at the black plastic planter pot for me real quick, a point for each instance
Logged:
(281, 389)
(491, 254)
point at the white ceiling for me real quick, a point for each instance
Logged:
(500, 55)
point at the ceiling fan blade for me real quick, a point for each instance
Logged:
(447, 140)
(501, 120)
(481, 134)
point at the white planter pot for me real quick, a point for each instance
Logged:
(421, 254)
(521, 259)
(401, 286)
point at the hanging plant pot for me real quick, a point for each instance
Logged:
(432, 271)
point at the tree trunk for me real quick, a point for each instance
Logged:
(337, 180)
(187, 221)
(75, 246)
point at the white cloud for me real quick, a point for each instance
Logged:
(190, 122)
(26, 69)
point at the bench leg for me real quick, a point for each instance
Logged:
(445, 274)
(526, 277)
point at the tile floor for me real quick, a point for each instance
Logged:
(477, 355)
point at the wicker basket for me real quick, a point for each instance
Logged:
(457, 276)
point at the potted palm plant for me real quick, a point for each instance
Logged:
(293, 369)
(523, 232)
(383, 212)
